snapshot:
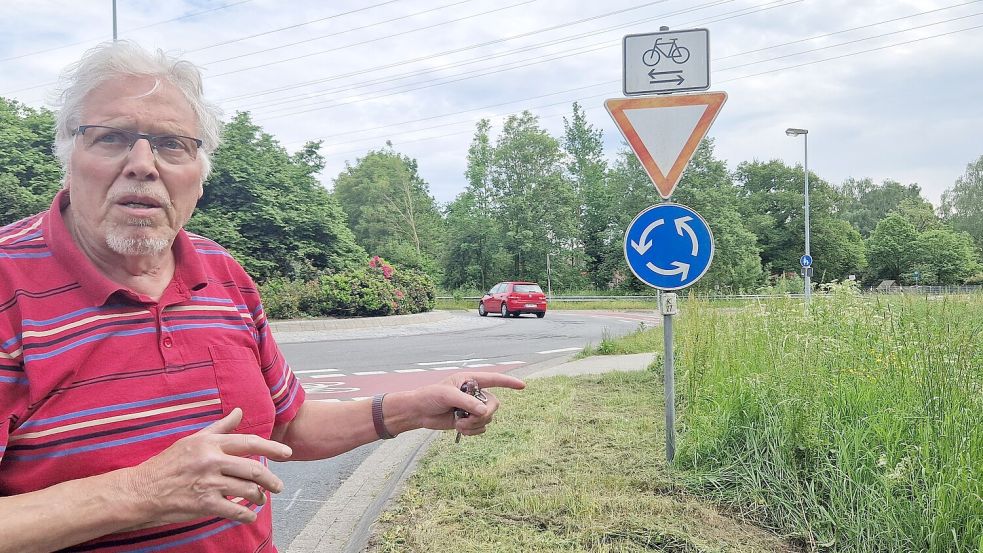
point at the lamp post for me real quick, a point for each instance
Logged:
(549, 287)
(805, 134)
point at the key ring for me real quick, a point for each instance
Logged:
(471, 388)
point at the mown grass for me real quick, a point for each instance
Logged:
(854, 428)
(569, 465)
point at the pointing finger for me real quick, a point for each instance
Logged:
(225, 425)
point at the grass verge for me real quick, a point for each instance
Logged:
(571, 464)
(854, 427)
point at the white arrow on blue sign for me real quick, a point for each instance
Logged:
(806, 260)
(668, 246)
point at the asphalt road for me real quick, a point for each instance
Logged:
(350, 365)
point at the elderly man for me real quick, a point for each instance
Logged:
(141, 393)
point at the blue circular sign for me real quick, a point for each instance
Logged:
(806, 260)
(668, 246)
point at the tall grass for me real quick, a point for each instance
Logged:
(856, 427)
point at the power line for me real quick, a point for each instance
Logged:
(524, 2)
(348, 30)
(543, 59)
(488, 43)
(294, 26)
(187, 16)
(813, 62)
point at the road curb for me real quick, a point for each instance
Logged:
(344, 521)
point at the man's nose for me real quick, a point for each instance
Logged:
(141, 160)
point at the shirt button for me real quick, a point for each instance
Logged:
(167, 342)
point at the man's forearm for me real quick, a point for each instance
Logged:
(322, 430)
(66, 514)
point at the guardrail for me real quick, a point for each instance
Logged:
(920, 290)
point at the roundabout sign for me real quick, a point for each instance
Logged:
(669, 246)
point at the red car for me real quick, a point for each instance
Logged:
(513, 298)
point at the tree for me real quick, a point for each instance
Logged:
(945, 257)
(30, 175)
(390, 210)
(536, 204)
(919, 213)
(890, 248)
(863, 203)
(962, 205)
(268, 209)
(772, 204)
(473, 235)
(585, 169)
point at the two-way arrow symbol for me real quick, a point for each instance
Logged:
(678, 79)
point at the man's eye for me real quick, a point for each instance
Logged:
(170, 143)
(112, 138)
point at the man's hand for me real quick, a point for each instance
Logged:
(434, 405)
(192, 478)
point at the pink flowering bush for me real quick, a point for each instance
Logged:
(375, 289)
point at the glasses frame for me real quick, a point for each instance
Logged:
(137, 136)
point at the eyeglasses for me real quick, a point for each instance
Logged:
(111, 142)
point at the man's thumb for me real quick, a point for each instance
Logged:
(226, 424)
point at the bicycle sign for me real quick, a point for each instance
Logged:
(669, 49)
(667, 61)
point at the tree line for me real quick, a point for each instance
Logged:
(530, 199)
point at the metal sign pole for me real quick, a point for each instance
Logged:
(669, 308)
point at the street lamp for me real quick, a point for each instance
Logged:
(549, 287)
(805, 134)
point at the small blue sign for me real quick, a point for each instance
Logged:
(806, 260)
(668, 246)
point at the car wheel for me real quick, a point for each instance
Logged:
(481, 309)
(541, 315)
(505, 310)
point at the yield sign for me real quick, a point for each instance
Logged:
(664, 131)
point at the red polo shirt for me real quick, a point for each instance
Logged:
(94, 377)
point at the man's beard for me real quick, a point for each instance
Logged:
(117, 240)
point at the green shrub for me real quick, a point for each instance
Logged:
(375, 289)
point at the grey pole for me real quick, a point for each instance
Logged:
(808, 279)
(549, 285)
(805, 271)
(669, 307)
(670, 385)
(114, 20)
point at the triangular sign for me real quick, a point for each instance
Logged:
(664, 131)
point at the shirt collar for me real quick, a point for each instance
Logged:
(189, 271)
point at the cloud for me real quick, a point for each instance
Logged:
(884, 91)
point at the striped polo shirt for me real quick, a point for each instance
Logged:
(95, 377)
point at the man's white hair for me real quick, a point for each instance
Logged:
(112, 60)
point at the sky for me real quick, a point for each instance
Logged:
(888, 89)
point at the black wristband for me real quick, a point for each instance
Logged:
(377, 420)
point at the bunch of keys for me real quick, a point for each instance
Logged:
(470, 387)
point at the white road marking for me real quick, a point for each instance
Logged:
(292, 501)
(512, 363)
(315, 371)
(366, 373)
(558, 350)
(445, 368)
(461, 361)
(336, 375)
(411, 370)
(480, 365)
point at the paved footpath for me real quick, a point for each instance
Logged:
(343, 524)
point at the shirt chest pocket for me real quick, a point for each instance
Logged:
(241, 384)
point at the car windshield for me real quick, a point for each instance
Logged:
(528, 289)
